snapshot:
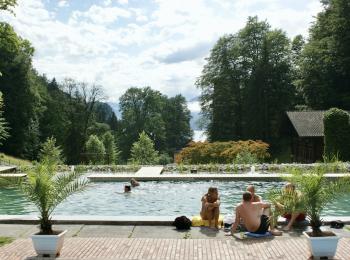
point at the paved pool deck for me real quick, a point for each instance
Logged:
(162, 242)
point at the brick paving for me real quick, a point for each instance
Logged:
(154, 248)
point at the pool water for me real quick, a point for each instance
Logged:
(151, 198)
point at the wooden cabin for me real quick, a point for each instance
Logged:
(307, 135)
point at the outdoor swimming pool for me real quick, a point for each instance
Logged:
(166, 198)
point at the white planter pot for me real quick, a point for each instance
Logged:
(323, 246)
(48, 244)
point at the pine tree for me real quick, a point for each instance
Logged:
(49, 152)
(32, 140)
(95, 150)
(143, 152)
(111, 150)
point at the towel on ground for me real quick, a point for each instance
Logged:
(197, 221)
(246, 235)
(251, 234)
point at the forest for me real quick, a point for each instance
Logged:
(250, 79)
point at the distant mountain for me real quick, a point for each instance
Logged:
(103, 111)
(115, 107)
(195, 99)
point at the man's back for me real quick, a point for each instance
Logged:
(255, 216)
(250, 213)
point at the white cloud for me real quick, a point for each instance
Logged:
(107, 2)
(100, 15)
(123, 2)
(63, 3)
(125, 46)
(194, 106)
(199, 136)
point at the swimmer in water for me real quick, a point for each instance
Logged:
(127, 188)
(134, 183)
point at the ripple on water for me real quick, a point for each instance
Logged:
(151, 198)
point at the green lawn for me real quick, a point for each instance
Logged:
(5, 240)
(13, 161)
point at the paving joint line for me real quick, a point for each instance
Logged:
(132, 232)
(78, 231)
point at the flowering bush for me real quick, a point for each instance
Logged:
(221, 152)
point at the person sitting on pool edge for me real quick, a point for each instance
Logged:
(211, 207)
(290, 195)
(255, 215)
(127, 188)
(255, 197)
(134, 183)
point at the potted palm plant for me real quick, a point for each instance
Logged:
(47, 189)
(316, 192)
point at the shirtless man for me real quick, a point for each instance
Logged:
(255, 216)
(210, 207)
(255, 198)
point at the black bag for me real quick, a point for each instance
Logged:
(182, 223)
(338, 224)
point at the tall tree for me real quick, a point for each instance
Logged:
(7, 5)
(246, 84)
(32, 144)
(141, 111)
(325, 63)
(221, 97)
(298, 44)
(55, 120)
(4, 128)
(111, 149)
(165, 120)
(113, 122)
(82, 99)
(176, 116)
(21, 89)
(269, 91)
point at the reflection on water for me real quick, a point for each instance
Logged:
(150, 199)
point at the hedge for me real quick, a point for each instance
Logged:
(337, 134)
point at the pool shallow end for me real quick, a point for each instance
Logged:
(121, 220)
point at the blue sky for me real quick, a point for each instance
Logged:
(157, 43)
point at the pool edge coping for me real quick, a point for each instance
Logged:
(122, 220)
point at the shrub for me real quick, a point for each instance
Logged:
(164, 159)
(223, 152)
(143, 152)
(50, 152)
(246, 157)
(95, 150)
(337, 134)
